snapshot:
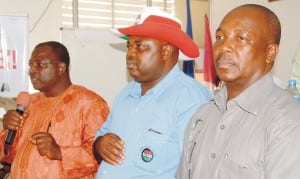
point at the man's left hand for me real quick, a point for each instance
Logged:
(46, 145)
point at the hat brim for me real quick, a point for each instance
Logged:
(169, 34)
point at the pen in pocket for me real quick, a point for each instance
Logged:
(48, 127)
(155, 131)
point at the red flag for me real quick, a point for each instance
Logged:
(210, 75)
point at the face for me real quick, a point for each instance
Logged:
(44, 69)
(242, 46)
(144, 59)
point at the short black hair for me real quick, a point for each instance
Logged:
(60, 51)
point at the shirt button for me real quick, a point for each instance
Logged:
(213, 155)
(226, 156)
(222, 126)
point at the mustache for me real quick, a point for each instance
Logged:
(131, 62)
(224, 59)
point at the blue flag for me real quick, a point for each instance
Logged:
(188, 65)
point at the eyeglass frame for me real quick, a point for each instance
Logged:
(41, 65)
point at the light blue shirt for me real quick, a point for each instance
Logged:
(152, 126)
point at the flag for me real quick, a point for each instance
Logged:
(210, 75)
(188, 65)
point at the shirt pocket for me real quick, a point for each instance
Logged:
(231, 169)
(151, 150)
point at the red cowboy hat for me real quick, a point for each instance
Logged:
(158, 24)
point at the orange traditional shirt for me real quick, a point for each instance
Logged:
(73, 119)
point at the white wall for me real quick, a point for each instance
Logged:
(41, 27)
(288, 12)
(95, 63)
(110, 80)
(97, 60)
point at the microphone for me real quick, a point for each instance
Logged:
(22, 101)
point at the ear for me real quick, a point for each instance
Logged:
(62, 68)
(166, 51)
(272, 51)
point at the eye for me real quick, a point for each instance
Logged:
(219, 37)
(38, 65)
(138, 45)
(241, 38)
(128, 45)
(142, 46)
(43, 65)
(33, 64)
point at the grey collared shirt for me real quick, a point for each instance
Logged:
(253, 136)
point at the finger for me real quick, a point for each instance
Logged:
(13, 121)
(47, 146)
(111, 158)
(113, 144)
(116, 141)
(112, 161)
(117, 157)
(116, 150)
(40, 138)
(40, 135)
(113, 154)
(32, 140)
(42, 142)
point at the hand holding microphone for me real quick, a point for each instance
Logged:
(12, 119)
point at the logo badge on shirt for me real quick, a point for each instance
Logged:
(147, 155)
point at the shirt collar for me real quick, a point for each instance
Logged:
(250, 99)
(159, 88)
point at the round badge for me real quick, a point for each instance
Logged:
(147, 155)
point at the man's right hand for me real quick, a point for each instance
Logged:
(13, 120)
(110, 148)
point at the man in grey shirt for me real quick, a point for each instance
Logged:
(251, 130)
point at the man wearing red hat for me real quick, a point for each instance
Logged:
(143, 135)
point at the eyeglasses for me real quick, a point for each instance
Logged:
(41, 65)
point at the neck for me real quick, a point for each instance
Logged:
(145, 87)
(234, 89)
(59, 88)
(148, 85)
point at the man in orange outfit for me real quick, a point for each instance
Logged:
(55, 134)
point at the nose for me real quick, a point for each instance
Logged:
(131, 52)
(33, 70)
(224, 46)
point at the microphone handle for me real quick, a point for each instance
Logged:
(10, 136)
(12, 133)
